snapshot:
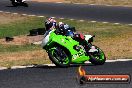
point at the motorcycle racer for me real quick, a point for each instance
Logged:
(66, 30)
(50, 24)
(63, 29)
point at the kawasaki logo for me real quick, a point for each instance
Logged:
(75, 56)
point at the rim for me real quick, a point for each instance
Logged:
(59, 56)
(99, 55)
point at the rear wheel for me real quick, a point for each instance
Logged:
(97, 58)
(59, 56)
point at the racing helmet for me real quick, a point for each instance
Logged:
(65, 29)
(50, 23)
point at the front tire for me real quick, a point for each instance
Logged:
(59, 56)
(14, 4)
(25, 4)
(97, 58)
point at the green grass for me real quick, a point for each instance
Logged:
(20, 27)
(100, 29)
(33, 61)
(19, 48)
(23, 27)
(104, 2)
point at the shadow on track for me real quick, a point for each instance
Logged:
(71, 66)
(9, 6)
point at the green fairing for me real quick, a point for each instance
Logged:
(68, 43)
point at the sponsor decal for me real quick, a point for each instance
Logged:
(75, 56)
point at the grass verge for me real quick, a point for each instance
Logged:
(18, 48)
(104, 2)
(20, 27)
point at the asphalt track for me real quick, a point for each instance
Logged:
(53, 77)
(74, 11)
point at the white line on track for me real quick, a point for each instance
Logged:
(15, 67)
(130, 24)
(50, 65)
(59, 2)
(105, 22)
(24, 14)
(62, 18)
(77, 3)
(81, 20)
(91, 4)
(40, 16)
(108, 5)
(124, 59)
(31, 15)
(71, 19)
(117, 23)
(7, 12)
(3, 68)
(53, 17)
(93, 21)
(15, 13)
(1, 11)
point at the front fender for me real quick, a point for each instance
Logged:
(66, 42)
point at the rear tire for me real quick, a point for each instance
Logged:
(59, 56)
(97, 58)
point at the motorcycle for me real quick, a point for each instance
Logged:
(16, 3)
(64, 50)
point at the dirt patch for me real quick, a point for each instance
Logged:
(22, 40)
(24, 58)
(25, 55)
(8, 18)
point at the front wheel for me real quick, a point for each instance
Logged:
(14, 4)
(25, 4)
(97, 58)
(59, 56)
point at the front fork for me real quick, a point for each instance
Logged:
(88, 47)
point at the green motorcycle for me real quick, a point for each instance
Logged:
(64, 50)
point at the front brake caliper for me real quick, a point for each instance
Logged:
(93, 49)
